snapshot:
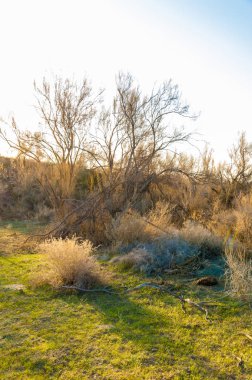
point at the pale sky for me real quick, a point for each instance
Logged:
(205, 46)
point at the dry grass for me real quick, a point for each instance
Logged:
(239, 272)
(69, 263)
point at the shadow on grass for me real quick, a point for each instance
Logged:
(164, 338)
(126, 317)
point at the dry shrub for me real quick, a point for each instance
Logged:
(196, 234)
(131, 227)
(239, 272)
(44, 213)
(69, 263)
(223, 223)
(127, 228)
(159, 220)
(95, 228)
(244, 219)
(137, 259)
(236, 221)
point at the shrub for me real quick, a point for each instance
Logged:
(127, 228)
(70, 263)
(155, 256)
(238, 272)
(158, 221)
(236, 221)
(196, 234)
(244, 219)
(223, 223)
(131, 227)
(137, 259)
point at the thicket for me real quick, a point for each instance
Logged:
(112, 175)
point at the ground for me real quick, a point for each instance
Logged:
(52, 334)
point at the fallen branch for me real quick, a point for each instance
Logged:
(198, 306)
(179, 297)
(144, 285)
(102, 290)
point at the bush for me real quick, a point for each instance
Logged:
(70, 263)
(236, 222)
(159, 220)
(198, 235)
(239, 272)
(131, 227)
(244, 219)
(137, 259)
(155, 256)
(127, 228)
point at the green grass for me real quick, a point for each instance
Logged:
(49, 334)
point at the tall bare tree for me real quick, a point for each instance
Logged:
(135, 133)
(66, 110)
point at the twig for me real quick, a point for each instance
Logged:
(179, 297)
(102, 290)
(144, 285)
(198, 306)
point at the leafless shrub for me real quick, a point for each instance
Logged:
(43, 213)
(158, 220)
(196, 234)
(239, 272)
(244, 219)
(127, 228)
(137, 259)
(130, 227)
(235, 222)
(69, 263)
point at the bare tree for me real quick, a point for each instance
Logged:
(134, 134)
(66, 110)
(125, 149)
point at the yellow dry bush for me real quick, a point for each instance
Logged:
(236, 222)
(196, 234)
(158, 221)
(132, 227)
(244, 220)
(127, 228)
(239, 272)
(69, 263)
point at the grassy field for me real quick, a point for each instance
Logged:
(49, 334)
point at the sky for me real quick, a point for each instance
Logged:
(205, 46)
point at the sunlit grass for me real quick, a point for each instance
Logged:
(48, 334)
